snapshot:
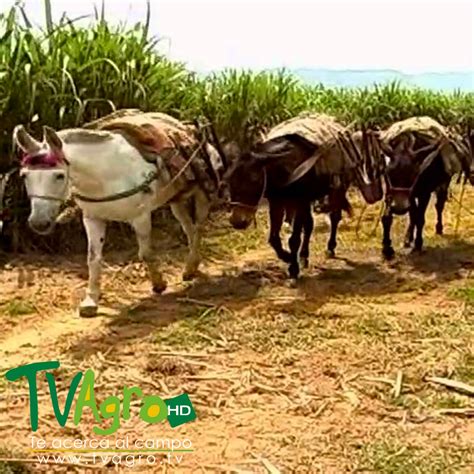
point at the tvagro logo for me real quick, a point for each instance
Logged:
(154, 409)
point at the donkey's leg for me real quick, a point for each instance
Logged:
(335, 217)
(411, 224)
(277, 213)
(387, 249)
(295, 242)
(95, 231)
(308, 226)
(423, 201)
(192, 223)
(441, 198)
(142, 226)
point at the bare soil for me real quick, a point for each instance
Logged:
(291, 378)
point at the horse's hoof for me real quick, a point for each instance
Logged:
(87, 311)
(330, 254)
(159, 288)
(388, 253)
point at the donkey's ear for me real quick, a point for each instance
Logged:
(52, 138)
(25, 141)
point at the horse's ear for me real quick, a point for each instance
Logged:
(25, 141)
(52, 139)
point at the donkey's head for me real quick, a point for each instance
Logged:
(404, 167)
(247, 180)
(45, 172)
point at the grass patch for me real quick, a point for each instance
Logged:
(226, 241)
(13, 467)
(465, 370)
(394, 457)
(465, 294)
(18, 307)
(197, 328)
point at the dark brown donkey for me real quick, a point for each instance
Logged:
(282, 170)
(414, 171)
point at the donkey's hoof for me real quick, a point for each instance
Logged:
(330, 254)
(159, 288)
(87, 311)
(388, 253)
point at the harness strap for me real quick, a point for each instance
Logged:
(143, 187)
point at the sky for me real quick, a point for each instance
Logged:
(411, 36)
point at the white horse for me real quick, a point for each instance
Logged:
(110, 181)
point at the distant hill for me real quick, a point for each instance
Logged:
(447, 81)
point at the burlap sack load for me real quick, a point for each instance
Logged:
(425, 131)
(327, 134)
(156, 135)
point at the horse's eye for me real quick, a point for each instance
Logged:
(60, 177)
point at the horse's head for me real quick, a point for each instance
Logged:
(402, 172)
(246, 185)
(247, 180)
(370, 166)
(45, 172)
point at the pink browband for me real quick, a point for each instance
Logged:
(41, 160)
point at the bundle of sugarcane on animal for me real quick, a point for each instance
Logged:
(184, 146)
(422, 157)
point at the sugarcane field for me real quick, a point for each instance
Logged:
(239, 271)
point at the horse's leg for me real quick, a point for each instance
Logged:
(142, 227)
(192, 223)
(387, 249)
(335, 216)
(412, 213)
(95, 231)
(423, 201)
(277, 214)
(308, 226)
(295, 242)
(441, 198)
